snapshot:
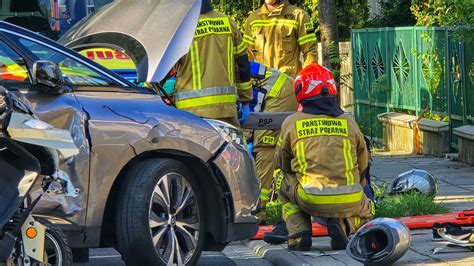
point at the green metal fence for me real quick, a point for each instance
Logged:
(407, 69)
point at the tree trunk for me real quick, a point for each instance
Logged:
(329, 35)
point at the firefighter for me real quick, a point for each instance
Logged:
(276, 95)
(207, 83)
(321, 153)
(278, 34)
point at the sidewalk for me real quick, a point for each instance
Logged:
(456, 190)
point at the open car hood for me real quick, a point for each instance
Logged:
(154, 33)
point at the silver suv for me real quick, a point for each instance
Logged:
(157, 183)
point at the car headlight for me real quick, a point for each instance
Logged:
(37, 124)
(229, 132)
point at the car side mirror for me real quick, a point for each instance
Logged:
(49, 75)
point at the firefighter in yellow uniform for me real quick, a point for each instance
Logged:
(207, 83)
(322, 154)
(278, 34)
(276, 95)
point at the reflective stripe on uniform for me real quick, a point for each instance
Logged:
(240, 48)
(230, 60)
(205, 92)
(278, 175)
(196, 66)
(274, 22)
(306, 39)
(279, 142)
(244, 86)
(248, 39)
(275, 83)
(346, 150)
(356, 222)
(329, 199)
(290, 209)
(311, 189)
(265, 194)
(301, 161)
(372, 208)
(215, 99)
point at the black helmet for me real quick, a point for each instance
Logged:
(382, 241)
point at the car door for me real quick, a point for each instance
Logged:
(17, 54)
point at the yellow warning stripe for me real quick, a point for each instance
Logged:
(274, 22)
(248, 39)
(196, 66)
(240, 49)
(290, 209)
(230, 60)
(329, 199)
(348, 162)
(301, 161)
(307, 38)
(215, 99)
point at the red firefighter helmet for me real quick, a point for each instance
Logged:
(313, 82)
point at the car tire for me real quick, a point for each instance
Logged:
(150, 230)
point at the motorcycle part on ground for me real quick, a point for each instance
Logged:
(452, 229)
(467, 242)
(382, 241)
(415, 180)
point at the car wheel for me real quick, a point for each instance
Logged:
(160, 215)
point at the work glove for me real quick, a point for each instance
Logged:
(245, 109)
(169, 86)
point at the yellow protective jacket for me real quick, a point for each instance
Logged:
(279, 98)
(327, 155)
(278, 39)
(206, 82)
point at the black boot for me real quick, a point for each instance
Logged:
(300, 242)
(337, 233)
(278, 236)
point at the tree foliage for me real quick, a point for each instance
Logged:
(350, 13)
(444, 12)
(455, 13)
(393, 13)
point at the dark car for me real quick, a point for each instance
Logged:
(157, 183)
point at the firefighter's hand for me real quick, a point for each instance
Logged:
(245, 109)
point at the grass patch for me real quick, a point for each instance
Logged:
(410, 204)
(273, 212)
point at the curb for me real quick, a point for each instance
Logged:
(275, 254)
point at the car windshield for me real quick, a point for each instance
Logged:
(75, 72)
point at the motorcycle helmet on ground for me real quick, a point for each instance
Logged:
(382, 241)
(415, 180)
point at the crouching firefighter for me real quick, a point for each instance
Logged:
(321, 153)
(273, 92)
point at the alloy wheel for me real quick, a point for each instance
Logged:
(174, 219)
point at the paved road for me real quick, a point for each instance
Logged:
(234, 254)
